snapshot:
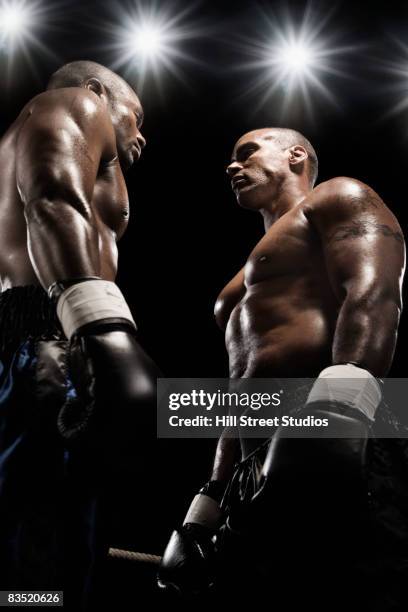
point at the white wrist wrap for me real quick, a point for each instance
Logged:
(348, 385)
(90, 301)
(205, 511)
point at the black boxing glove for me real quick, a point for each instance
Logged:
(188, 563)
(324, 475)
(111, 374)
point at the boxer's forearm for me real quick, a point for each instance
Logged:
(62, 241)
(227, 453)
(366, 333)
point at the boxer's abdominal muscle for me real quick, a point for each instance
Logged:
(280, 320)
(110, 203)
(271, 335)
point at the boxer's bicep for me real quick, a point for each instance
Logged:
(57, 163)
(362, 244)
(365, 260)
(364, 253)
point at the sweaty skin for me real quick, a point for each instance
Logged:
(323, 285)
(63, 198)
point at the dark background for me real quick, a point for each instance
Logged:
(187, 236)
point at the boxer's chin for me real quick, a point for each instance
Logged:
(246, 198)
(126, 159)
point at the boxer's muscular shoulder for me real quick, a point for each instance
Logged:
(71, 112)
(343, 196)
(344, 200)
(80, 104)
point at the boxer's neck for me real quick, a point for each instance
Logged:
(288, 197)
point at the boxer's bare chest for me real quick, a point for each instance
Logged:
(110, 200)
(288, 258)
(285, 250)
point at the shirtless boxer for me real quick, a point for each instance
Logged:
(319, 296)
(74, 382)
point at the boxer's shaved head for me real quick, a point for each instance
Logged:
(124, 106)
(76, 74)
(287, 138)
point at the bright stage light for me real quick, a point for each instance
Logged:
(20, 35)
(15, 18)
(291, 60)
(296, 57)
(145, 40)
(295, 61)
(12, 20)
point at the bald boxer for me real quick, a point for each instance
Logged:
(75, 385)
(319, 296)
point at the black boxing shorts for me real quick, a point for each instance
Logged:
(52, 525)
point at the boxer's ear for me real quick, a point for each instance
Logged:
(297, 155)
(97, 87)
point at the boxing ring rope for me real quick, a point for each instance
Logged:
(134, 557)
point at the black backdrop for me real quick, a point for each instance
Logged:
(187, 236)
